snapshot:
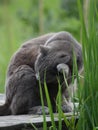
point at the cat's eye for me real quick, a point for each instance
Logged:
(63, 55)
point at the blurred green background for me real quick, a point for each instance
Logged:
(22, 20)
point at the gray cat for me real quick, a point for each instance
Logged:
(44, 58)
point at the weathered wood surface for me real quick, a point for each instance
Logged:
(2, 99)
(24, 122)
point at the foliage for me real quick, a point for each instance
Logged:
(70, 7)
(89, 112)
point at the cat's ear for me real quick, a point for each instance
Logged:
(44, 49)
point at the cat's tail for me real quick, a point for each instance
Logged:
(4, 110)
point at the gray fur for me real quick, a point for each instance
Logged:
(43, 57)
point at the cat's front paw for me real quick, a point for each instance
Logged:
(38, 110)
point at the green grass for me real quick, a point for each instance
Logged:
(89, 110)
(42, 101)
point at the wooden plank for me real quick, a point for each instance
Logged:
(25, 122)
(2, 99)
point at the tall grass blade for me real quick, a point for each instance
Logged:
(59, 105)
(42, 102)
(50, 107)
(34, 127)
